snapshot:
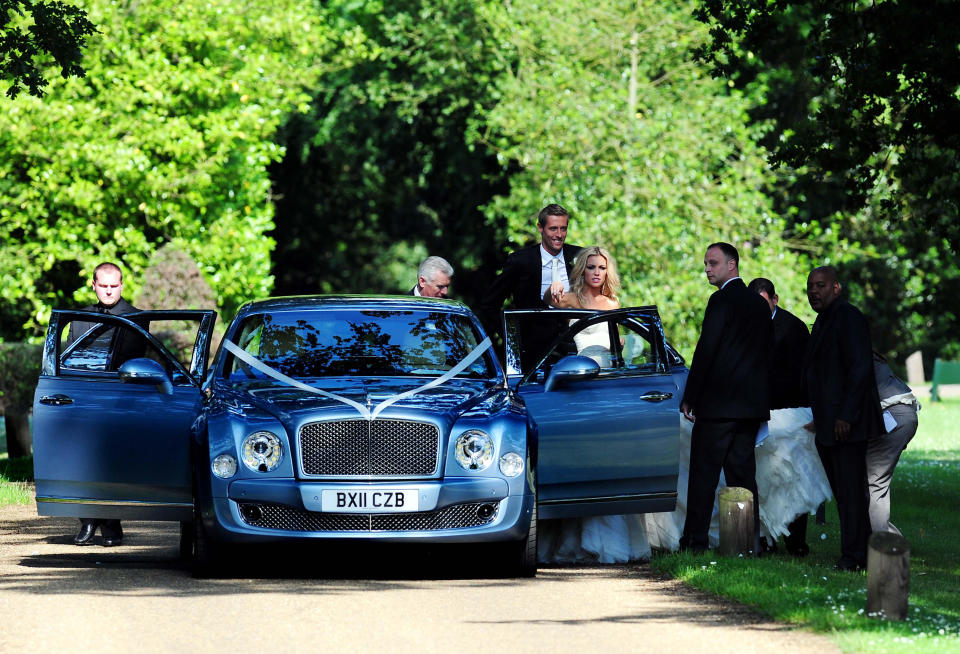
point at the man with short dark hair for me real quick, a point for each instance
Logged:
(433, 278)
(839, 381)
(526, 276)
(727, 393)
(108, 285)
(790, 336)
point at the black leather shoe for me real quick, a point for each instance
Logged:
(798, 550)
(88, 528)
(112, 532)
(849, 565)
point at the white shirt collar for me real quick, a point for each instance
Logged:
(546, 257)
(728, 281)
(416, 290)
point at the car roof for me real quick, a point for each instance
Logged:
(361, 302)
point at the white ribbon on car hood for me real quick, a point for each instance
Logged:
(256, 363)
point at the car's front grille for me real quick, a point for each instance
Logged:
(362, 448)
(288, 518)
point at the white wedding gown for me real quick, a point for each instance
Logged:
(599, 539)
(790, 480)
(594, 342)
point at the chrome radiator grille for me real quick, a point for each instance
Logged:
(276, 516)
(361, 448)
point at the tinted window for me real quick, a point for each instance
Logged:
(97, 347)
(350, 342)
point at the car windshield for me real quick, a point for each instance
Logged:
(336, 342)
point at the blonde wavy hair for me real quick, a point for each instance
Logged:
(611, 285)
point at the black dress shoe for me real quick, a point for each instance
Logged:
(846, 564)
(798, 550)
(111, 542)
(88, 528)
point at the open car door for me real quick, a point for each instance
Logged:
(113, 411)
(606, 420)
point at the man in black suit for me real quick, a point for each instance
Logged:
(108, 285)
(727, 393)
(526, 276)
(433, 278)
(790, 336)
(839, 382)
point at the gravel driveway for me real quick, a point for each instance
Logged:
(57, 597)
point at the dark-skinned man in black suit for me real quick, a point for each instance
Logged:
(840, 384)
(790, 336)
(726, 394)
(525, 277)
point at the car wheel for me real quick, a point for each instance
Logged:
(205, 560)
(527, 564)
(186, 541)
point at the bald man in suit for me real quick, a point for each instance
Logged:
(727, 393)
(839, 381)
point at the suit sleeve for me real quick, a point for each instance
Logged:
(711, 333)
(858, 366)
(492, 301)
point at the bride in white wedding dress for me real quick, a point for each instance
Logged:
(601, 539)
(790, 477)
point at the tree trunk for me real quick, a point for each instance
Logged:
(736, 521)
(888, 576)
(17, 424)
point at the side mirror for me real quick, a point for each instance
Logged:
(570, 369)
(145, 371)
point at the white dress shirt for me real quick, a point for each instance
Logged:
(546, 270)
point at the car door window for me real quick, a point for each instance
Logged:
(90, 347)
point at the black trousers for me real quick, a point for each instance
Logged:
(716, 445)
(846, 468)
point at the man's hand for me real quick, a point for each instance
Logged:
(687, 412)
(841, 429)
(556, 292)
(810, 427)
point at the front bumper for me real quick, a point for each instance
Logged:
(454, 510)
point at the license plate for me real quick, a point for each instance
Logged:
(372, 500)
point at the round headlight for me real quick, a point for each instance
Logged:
(511, 464)
(224, 466)
(474, 450)
(261, 451)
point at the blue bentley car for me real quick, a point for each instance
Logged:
(353, 418)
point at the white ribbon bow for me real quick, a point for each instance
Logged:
(256, 363)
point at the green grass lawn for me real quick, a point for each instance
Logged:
(14, 473)
(809, 593)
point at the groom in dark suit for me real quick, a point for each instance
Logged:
(839, 382)
(727, 393)
(526, 275)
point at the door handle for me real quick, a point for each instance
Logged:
(56, 400)
(656, 396)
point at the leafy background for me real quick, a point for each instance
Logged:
(329, 147)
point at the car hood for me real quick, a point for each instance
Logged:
(454, 397)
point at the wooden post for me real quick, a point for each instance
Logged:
(736, 521)
(888, 575)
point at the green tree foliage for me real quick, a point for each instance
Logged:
(33, 31)
(380, 175)
(19, 372)
(862, 103)
(608, 113)
(166, 140)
